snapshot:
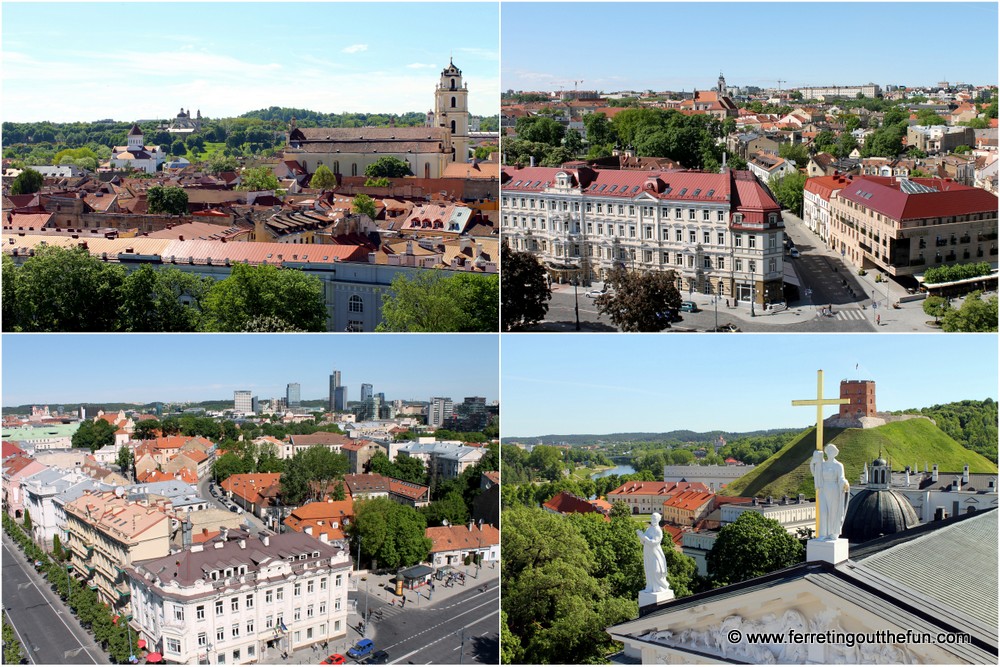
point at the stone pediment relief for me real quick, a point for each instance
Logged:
(729, 640)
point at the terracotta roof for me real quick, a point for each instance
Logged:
(253, 488)
(416, 492)
(11, 449)
(689, 500)
(17, 463)
(367, 483)
(321, 515)
(566, 503)
(825, 186)
(657, 488)
(454, 538)
(115, 516)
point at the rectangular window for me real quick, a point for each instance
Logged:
(202, 639)
(752, 240)
(722, 238)
(309, 633)
(173, 645)
(268, 622)
(250, 601)
(706, 262)
(704, 214)
(220, 635)
(298, 636)
(753, 266)
(310, 585)
(738, 240)
(249, 627)
(706, 237)
(678, 235)
(678, 259)
(721, 216)
(199, 612)
(772, 265)
(297, 614)
(235, 630)
(218, 608)
(738, 264)
(221, 659)
(234, 604)
(281, 594)
(692, 236)
(600, 208)
(322, 608)
(251, 651)
(690, 214)
(336, 626)
(297, 590)
(309, 611)
(336, 604)
(720, 262)
(649, 232)
(677, 213)
(236, 656)
(268, 596)
(631, 231)
(178, 612)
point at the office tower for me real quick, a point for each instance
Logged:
(366, 392)
(334, 384)
(293, 395)
(439, 411)
(243, 401)
(340, 399)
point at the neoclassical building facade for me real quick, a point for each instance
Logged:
(720, 233)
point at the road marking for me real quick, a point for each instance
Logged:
(27, 649)
(47, 601)
(450, 634)
(440, 624)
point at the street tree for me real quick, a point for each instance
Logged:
(323, 178)
(162, 300)
(388, 166)
(27, 182)
(640, 301)
(974, 315)
(293, 297)
(936, 307)
(391, 535)
(540, 129)
(311, 473)
(450, 508)
(145, 429)
(124, 459)
(789, 191)
(751, 546)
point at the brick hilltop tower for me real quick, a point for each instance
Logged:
(861, 394)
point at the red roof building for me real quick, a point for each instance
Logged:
(565, 502)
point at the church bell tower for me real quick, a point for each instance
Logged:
(451, 110)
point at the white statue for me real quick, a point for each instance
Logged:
(653, 560)
(832, 492)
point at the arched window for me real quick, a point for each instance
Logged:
(355, 304)
(354, 169)
(453, 84)
(453, 127)
(453, 102)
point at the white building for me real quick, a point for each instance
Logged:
(46, 492)
(719, 233)
(439, 410)
(136, 155)
(236, 597)
(443, 460)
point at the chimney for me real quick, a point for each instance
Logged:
(243, 544)
(934, 473)
(940, 514)
(186, 532)
(265, 540)
(531, 163)
(225, 533)
(965, 474)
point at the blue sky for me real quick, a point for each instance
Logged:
(89, 61)
(559, 384)
(57, 369)
(682, 46)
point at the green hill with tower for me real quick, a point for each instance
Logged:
(912, 442)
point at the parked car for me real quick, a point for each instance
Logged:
(728, 328)
(334, 659)
(794, 252)
(689, 307)
(361, 649)
(378, 658)
(594, 293)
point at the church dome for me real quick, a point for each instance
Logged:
(879, 462)
(876, 512)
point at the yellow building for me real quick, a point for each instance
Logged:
(106, 532)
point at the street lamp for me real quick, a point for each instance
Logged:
(752, 296)
(576, 299)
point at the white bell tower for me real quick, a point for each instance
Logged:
(451, 110)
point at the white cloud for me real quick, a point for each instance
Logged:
(355, 48)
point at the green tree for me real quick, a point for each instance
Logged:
(27, 522)
(291, 296)
(13, 652)
(323, 178)
(928, 117)
(391, 535)
(162, 300)
(93, 435)
(410, 469)
(364, 205)
(540, 129)
(388, 166)
(310, 473)
(450, 508)
(846, 144)
(380, 182)
(936, 307)
(220, 162)
(975, 314)
(640, 301)
(58, 554)
(962, 149)
(510, 644)
(825, 141)
(797, 153)
(9, 284)
(178, 148)
(62, 289)
(432, 302)
(124, 459)
(752, 546)
(27, 182)
(145, 429)
(789, 190)
(258, 179)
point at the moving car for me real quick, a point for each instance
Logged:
(689, 307)
(794, 252)
(334, 659)
(378, 658)
(361, 649)
(728, 328)
(594, 293)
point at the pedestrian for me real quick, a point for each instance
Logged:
(727, 303)
(878, 320)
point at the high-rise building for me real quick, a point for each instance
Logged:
(439, 411)
(366, 392)
(293, 395)
(243, 401)
(334, 384)
(340, 399)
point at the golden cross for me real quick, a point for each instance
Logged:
(820, 403)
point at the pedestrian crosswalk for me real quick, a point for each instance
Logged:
(855, 314)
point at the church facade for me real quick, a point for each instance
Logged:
(428, 150)
(136, 155)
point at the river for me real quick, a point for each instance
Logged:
(617, 470)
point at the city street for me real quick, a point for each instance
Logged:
(46, 628)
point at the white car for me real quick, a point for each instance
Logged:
(794, 253)
(594, 293)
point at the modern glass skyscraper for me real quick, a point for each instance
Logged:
(293, 395)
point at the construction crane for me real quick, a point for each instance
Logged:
(577, 83)
(780, 82)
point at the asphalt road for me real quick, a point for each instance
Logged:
(47, 630)
(428, 633)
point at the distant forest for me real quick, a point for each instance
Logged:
(973, 424)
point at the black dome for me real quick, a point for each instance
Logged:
(877, 512)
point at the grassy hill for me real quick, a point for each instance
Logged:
(916, 441)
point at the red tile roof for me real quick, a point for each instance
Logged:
(455, 538)
(566, 503)
(825, 186)
(689, 500)
(253, 488)
(657, 488)
(11, 449)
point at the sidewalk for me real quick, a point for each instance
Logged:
(381, 595)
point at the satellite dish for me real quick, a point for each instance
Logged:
(119, 491)
(444, 522)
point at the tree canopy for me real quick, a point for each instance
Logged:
(364, 205)
(93, 435)
(391, 534)
(388, 166)
(975, 314)
(751, 546)
(292, 297)
(171, 200)
(27, 182)
(640, 301)
(432, 302)
(311, 471)
(258, 179)
(323, 178)
(525, 290)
